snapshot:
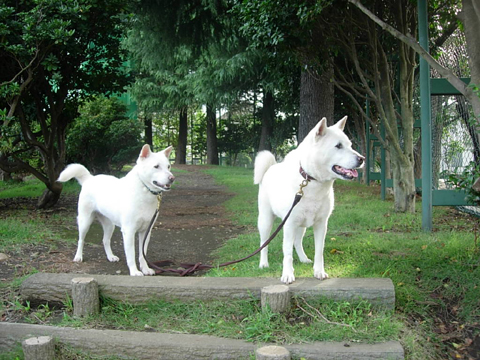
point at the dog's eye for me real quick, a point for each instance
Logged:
(169, 166)
(339, 146)
(157, 166)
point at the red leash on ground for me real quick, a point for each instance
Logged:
(187, 269)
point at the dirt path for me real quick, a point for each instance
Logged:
(191, 225)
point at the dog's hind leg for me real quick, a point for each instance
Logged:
(319, 231)
(265, 223)
(298, 244)
(141, 259)
(108, 228)
(84, 220)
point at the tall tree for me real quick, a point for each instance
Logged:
(212, 148)
(181, 150)
(316, 99)
(293, 27)
(54, 54)
(173, 44)
(385, 67)
(470, 16)
(268, 119)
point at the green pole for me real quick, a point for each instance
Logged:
(383, 165)
(367, 147)
(426, 120)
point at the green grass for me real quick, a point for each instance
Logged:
(27, 227)
(244, 319)
(433, 273)
(18, 232)
(31, 188)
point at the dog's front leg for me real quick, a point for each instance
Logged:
(129, 246)
(141, 259)
(290, 232)
(319, 232)
(298, 244)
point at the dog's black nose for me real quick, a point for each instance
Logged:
(360, 159)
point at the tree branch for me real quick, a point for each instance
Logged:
(456, 82)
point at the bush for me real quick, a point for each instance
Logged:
(465, 181)
(103, 138)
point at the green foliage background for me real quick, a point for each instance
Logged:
(103, 138)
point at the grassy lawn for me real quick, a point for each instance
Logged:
(436, 277)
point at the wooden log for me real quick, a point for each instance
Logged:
(272, 352)
(275, 297)
(55, 287)
(85, 297)
(39, 348)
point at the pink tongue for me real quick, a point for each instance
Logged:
(352, 172)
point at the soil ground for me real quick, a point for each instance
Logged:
(191, 225)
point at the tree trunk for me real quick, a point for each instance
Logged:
(404, 170)
(148, 130)
(403, 185)
(268, 118)
(400, 140)
(316, 100)
(212, 149)
(470, 16)
(50, 196)
(181, 150)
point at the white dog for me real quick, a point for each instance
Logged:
(324, 155)
(129, 203)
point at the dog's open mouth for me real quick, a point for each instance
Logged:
(165, 187)
(347, 174)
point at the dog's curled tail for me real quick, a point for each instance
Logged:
(76, 171)
(263, 161)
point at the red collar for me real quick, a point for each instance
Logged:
(305, 175)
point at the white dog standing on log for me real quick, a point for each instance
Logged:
(325, 155)
(129, 203)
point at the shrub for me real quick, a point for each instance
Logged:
(103, 138)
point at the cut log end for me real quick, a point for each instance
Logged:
(276, 298)
(272, 353)
(85, 297)
(39, 348)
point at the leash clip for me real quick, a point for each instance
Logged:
(302, 185)
(159, 200)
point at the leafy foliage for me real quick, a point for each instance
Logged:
(273, 23)
(54, 55)
(192, 54)
(465, 180)
(103, 138)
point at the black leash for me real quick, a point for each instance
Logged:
(184, 269)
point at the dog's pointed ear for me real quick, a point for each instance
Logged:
(341, 123)
(167, 151)
(321, 128)
(145, 152)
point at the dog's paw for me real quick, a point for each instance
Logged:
(147, 271)
(136, 273)
(113, 258)
(287, 278)
(263, 264)
(77, 258)
(320, 275)
(306, 260)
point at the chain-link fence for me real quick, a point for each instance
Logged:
(455, 146)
